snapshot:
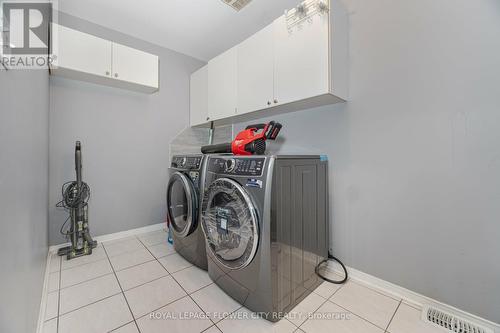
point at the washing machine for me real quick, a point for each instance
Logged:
(183, 207)
(265, 219)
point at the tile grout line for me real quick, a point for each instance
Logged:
(229, 315)
(147, 248)
(60, 270)
(82, 264)
(59, 294)
(154, 255)
(189, 295)
(214, 325)
(122, 292)
(405, 302)
(104, 298)
(393, 315)
(357, 315)
(298, 326)
(142, 263)
(343, 307)
(100, 276)
(79, 283)
(195, 291)
(94, 302)
(326, 300)
(119, 327)
(79, 266)
(169, 275)
(142, 284)
(154, 310)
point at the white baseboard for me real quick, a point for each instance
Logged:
(116, 235)
(43, 301)
(104, 238)
(409, 297)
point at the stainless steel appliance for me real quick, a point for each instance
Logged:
(266, 223)
(183, 203)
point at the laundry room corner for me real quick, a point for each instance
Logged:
(242, 166)
(125, 138)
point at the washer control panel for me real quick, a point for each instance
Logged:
(186, 162)
(253, 166)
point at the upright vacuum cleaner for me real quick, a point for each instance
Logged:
(76, 195)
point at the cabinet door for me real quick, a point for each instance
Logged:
(135, 66)
(82, 52)
(222, 85)
(301, 59)
(199, 97)
(256, 71)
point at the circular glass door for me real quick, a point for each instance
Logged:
(230, 223)
(181, 204)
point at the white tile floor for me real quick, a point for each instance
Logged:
(140, 284)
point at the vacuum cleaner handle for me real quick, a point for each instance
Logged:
(222, 148)
(78, 163)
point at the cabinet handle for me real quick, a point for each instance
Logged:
(107, 73)
(275, 101)
(268, 103)
(208, 118)
(116, 74)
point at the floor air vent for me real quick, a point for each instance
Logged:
(237, 4)
(450, 322)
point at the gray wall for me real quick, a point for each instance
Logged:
(415, 154)
(125, 138)
(24, 139)
(192, 139)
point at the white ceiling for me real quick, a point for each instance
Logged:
(199, 28)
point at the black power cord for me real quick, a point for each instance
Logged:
(72, 197)
(330, 257)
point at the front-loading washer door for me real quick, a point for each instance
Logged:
(182, 204)
(230, 223)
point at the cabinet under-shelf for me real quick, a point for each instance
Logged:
(293, 64)
(85, 57)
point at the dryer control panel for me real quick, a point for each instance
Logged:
(253, 166)
(186, 162)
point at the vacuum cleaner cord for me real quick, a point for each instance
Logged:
(330, 257)
(73, 196)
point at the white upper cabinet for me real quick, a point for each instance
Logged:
(135, 66)
(85, 57)
(199, 97)
(301, 63)
(255, 72)
(296, 63)
(82, 52)
(222, 85)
